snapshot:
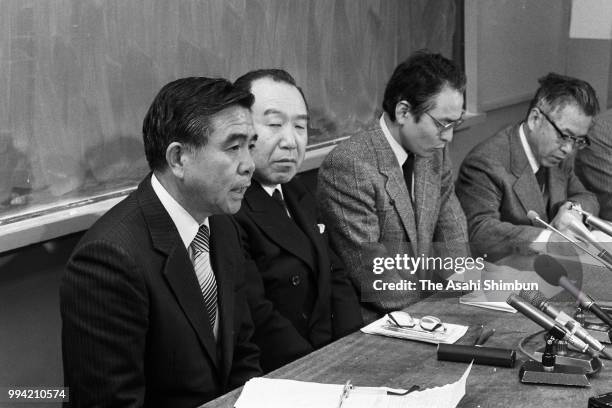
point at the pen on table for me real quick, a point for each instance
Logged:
(484, 336)
(345, 393)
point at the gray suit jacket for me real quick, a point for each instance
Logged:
(594, 163)
(365, 203)
(497, 188)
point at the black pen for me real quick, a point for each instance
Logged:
(484, 336)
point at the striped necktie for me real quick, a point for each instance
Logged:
(204, 272)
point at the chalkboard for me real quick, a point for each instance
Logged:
(78, 76)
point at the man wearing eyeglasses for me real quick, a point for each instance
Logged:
(529, 167)
(388, 192)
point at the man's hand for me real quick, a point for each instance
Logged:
(567, 217)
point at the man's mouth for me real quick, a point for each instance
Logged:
(241, 189)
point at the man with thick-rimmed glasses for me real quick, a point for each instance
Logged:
(389, 192)
(529, 167)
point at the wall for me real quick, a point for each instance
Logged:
(30, 346)
(518, 42)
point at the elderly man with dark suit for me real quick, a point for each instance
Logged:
(152, 300)
(529, 167)
(389, 191)
(299, 294)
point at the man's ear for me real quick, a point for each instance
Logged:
(176, 154)
(534, 117)
(402, 111)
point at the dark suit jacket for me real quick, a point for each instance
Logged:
(497, 188)
(594, 163)
(299, 294)
(365, 203)
(135, 330)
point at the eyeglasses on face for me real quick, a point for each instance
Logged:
(579, 142)
(442, 127)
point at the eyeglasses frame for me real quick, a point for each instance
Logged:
(578, 142)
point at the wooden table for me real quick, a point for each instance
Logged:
(370, 360)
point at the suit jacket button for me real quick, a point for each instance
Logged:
(391, 202)
(295, 280)
(304, 316)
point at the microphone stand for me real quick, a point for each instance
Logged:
(550, 371)
(548, 226)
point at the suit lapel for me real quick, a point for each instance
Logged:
(178, 269)
(282, 230)
(556, 184)
(425, 188)
(225, 269)
(526, 186)
(304, 209)
(182, 280)
(395, 185)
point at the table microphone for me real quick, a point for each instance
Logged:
(537, 299)
(586, 236)
(594, 221)
(602, 257)
(553, 272)
(553, 328)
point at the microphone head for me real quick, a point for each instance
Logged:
(535, 297)
(549, 269)
(532, 215)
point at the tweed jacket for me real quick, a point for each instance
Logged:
(497, 188)
(366, 205)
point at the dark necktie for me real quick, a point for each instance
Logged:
(408, 169)
(541, 178)
(278, 197)
(204, 272)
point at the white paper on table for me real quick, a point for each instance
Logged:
(446, 396)
(383, 327)
(479, 299)
(275, 393)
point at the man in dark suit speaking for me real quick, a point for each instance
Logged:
(299, 293)
(152, 299)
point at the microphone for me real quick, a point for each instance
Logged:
(537, 299)
(586, 236)
(603, 256)
(594, 221)
(553, 272)
(553, 328)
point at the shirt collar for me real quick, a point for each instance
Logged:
(398, 150)
(535, 166)
(186, 225)
(270, 190)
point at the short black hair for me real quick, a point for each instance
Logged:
(418, 80)
(558, 90)
(276, 74)
(182, 111)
